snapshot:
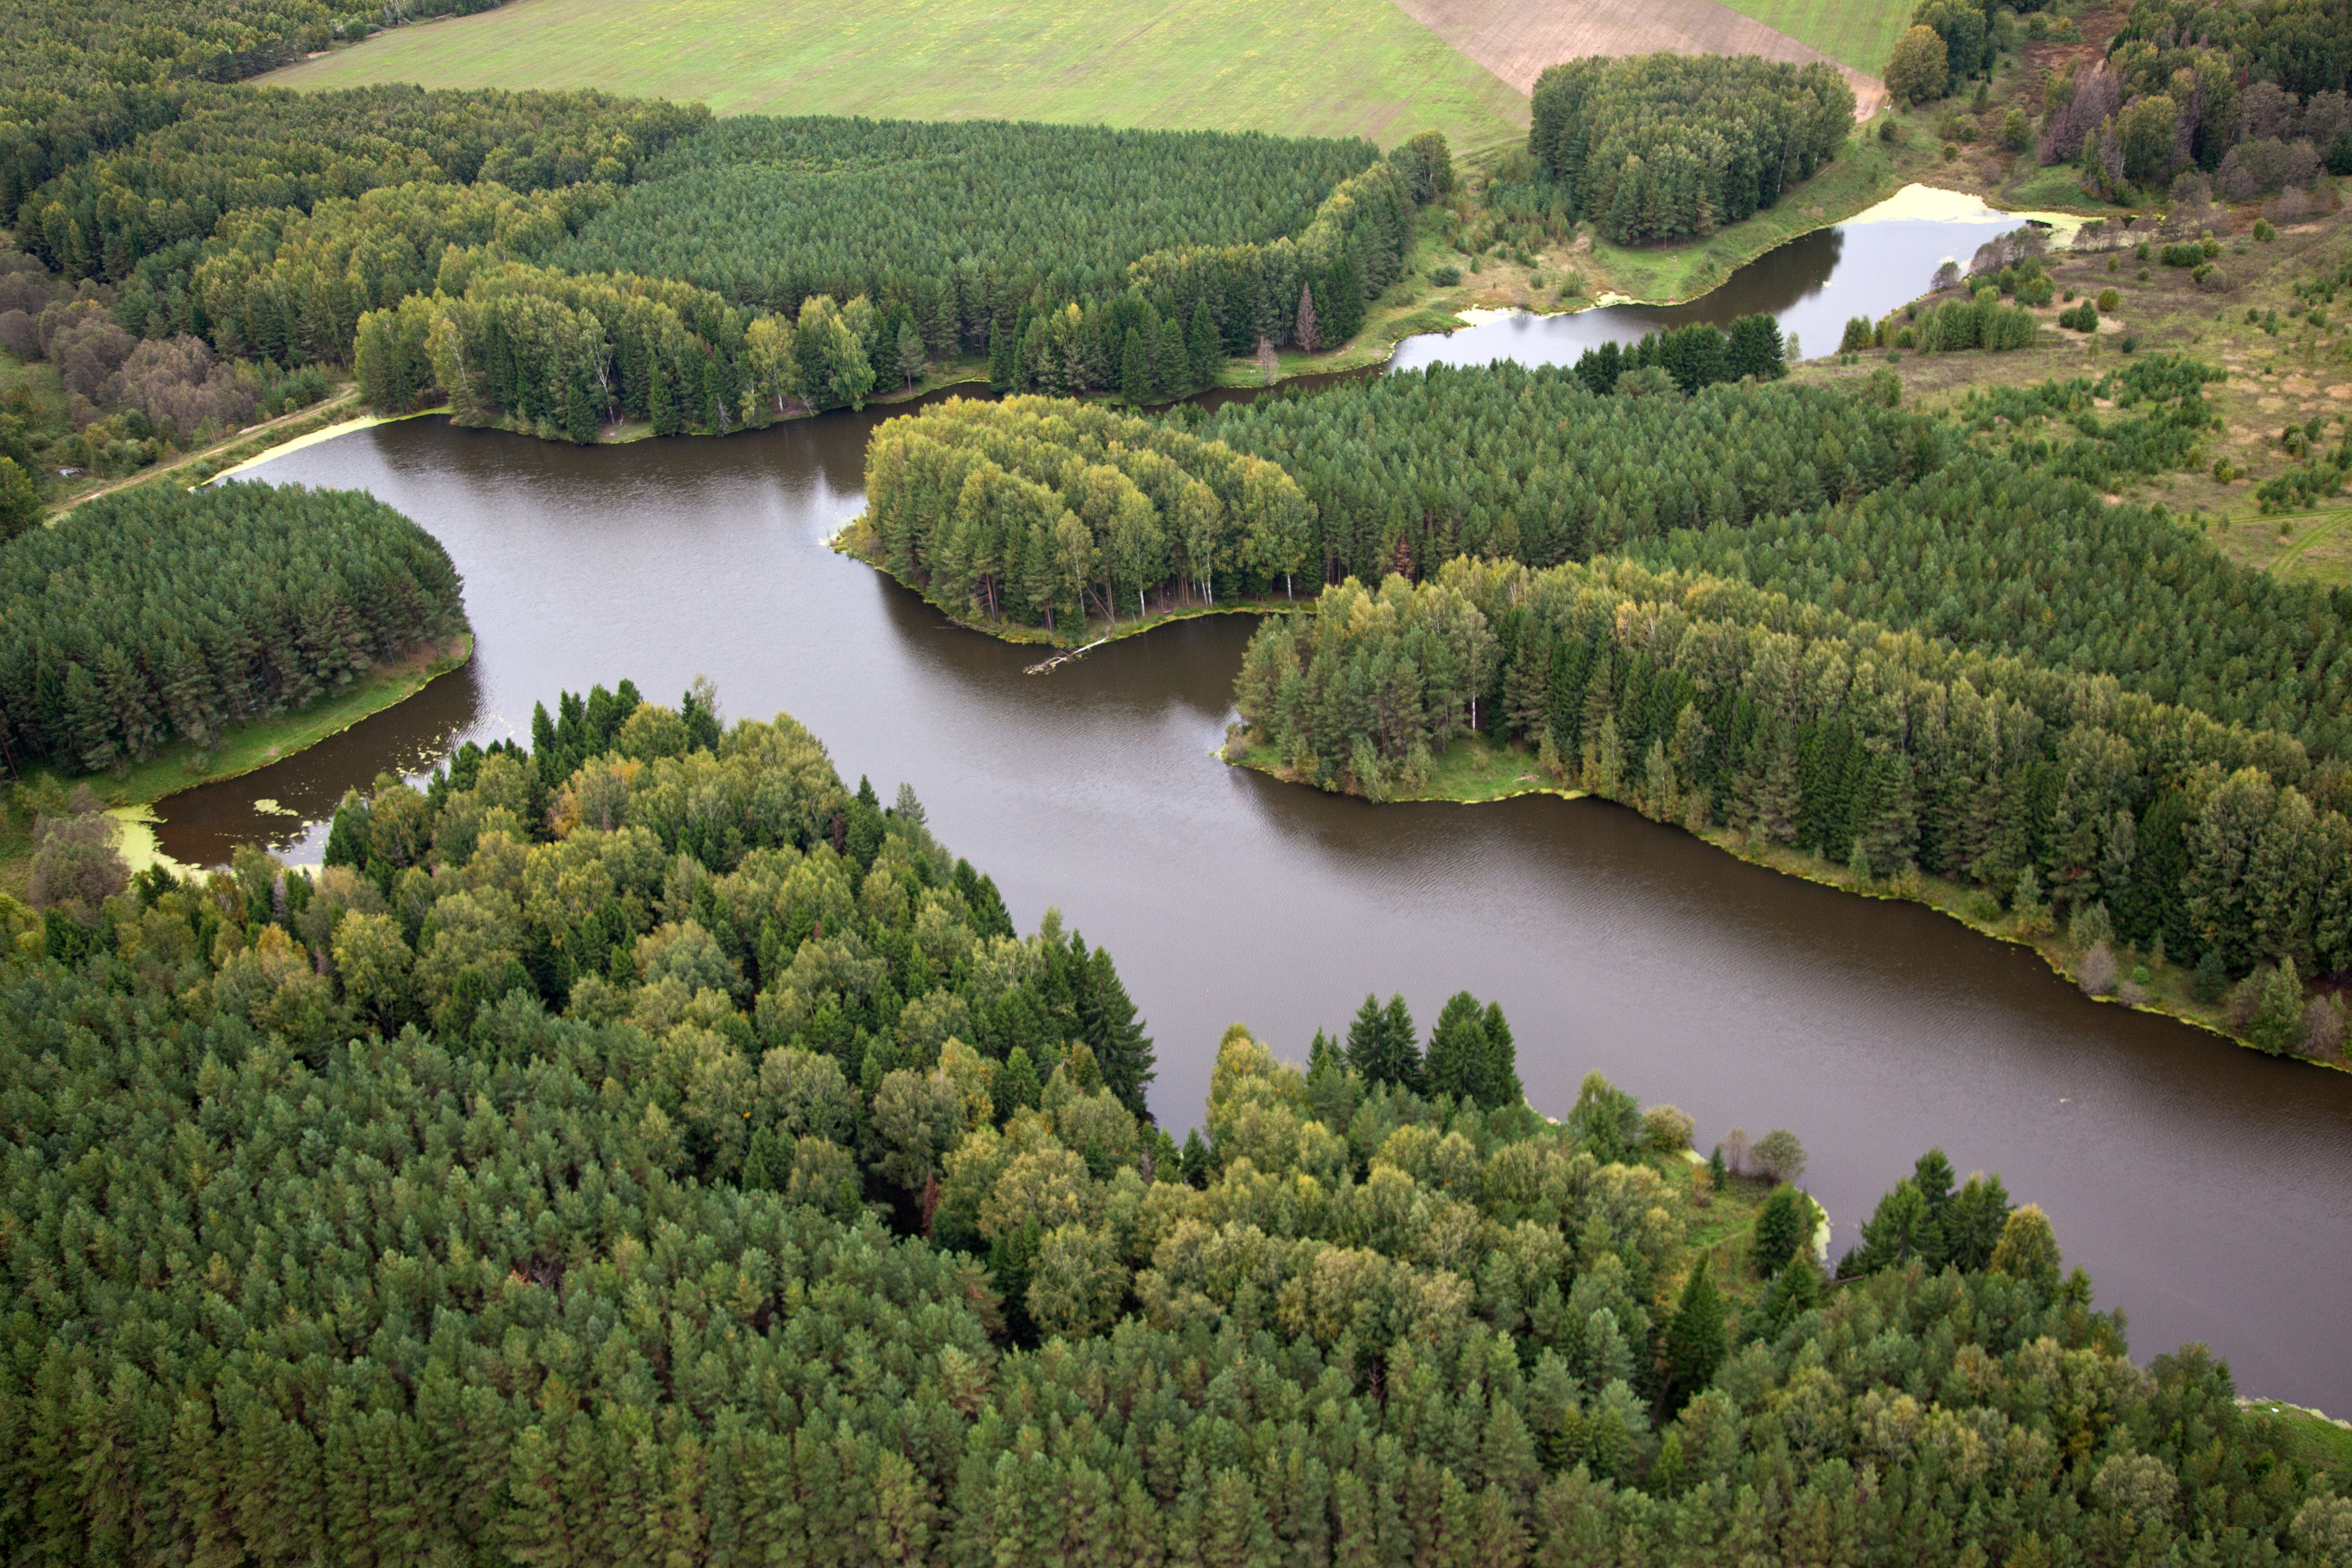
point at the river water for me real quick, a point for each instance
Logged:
(2205, 1187)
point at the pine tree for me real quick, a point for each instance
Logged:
(1135, 371)
(1500, 1086)
(1202, 348)
(1783, 1226)
(1108, 1020)
(1694, 1344)
(1457, 1062)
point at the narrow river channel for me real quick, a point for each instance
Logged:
(2207, 1189)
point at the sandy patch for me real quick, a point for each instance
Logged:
(2342, 389)
(2297, 386)
(1517, 39)
(2271, 404)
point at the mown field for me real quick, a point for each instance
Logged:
(1858, 32)
(1330, 68)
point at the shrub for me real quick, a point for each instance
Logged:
(1779, 1155)
(1445, 276)
(2108, 301)
(1665, 1129)
(76, 865)
(2264, 232)
(2097, 972)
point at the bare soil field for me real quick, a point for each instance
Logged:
(1516, 39)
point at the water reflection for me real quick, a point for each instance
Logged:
(1811, 286)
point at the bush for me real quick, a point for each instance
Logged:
(76, 865)
(1667, 1130)
(2108, 301)
(1779, 1155)
(2211, 279)
(1445, 276)
(2097, 972)
(2264, 232)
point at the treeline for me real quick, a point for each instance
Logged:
(1048, 512)
(1665, 146)
(844, 1246)
(1695, 355)
(1533, 463)
(1989, 557)
(162, 615)
(559, 353)
(2253, 98)
(87, 76)
(562, 352)
(967, 222)
(150, 206)
(1711, 702)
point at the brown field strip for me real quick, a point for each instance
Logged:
(1516, 39)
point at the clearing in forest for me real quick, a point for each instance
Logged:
(1324, 68)
(1517, 39)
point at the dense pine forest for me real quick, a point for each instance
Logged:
(1710, 703)
(165, 615)
(642, 1148)
(1668, 146)
(768, 212)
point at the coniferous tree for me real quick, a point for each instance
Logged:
(1695, 1342)
(1783, 1226)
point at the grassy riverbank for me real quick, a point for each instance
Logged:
(183, 765)
(1474, 770)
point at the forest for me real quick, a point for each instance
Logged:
(1712, 703)
(1668, 146)
(2211, 98)
(163, 614)
(955, 216)
(1384, 467)
(641, 1148)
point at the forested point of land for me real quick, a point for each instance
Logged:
(642, 1148)
(1666, 146)
(165, 615)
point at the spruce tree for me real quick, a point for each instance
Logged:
(1135, 371)
(1501, 1082)
(1456, 1063)
(1201, 347)
(1783, 1226)
(1694, 1344)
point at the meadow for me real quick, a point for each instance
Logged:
(1331, 67)
(1858, 32)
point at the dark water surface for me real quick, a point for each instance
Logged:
(2207, 1189)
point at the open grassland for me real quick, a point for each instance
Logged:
(1859, 34)
(1330, 68)
(2282, 369)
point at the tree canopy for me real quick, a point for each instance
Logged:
(633, 1150)
(1662, 146)
(162, 613)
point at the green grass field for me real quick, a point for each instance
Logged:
(1331, 67)
(1858, 33)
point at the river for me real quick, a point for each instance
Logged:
(2205, 1187)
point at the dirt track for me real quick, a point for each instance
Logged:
(1517, 38)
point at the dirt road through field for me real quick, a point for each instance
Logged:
(1517, 38)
